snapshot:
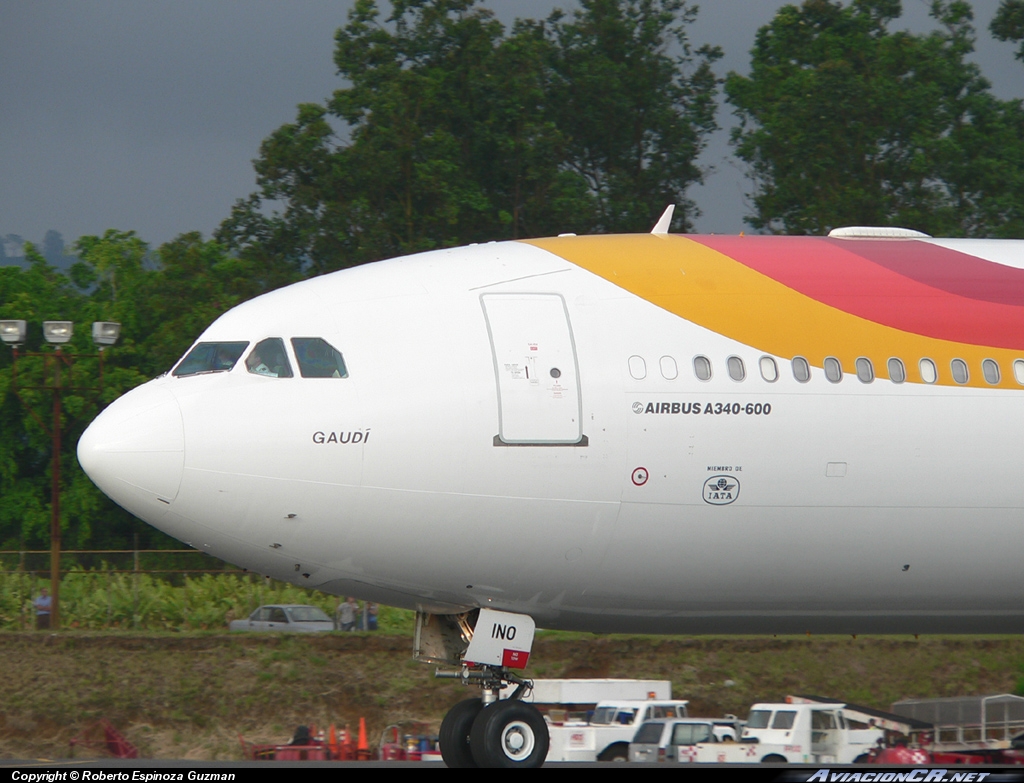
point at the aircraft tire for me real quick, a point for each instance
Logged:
(509, 734)
(454, 734)
(774, 758)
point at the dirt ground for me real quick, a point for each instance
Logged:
(192, 695)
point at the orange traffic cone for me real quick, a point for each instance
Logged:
(347, 753)
(332, 743)
(363, 748)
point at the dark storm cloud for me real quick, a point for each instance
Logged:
(146, 116)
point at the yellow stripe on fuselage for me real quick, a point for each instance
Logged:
(713, 290)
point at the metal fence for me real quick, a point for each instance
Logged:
(116, 561)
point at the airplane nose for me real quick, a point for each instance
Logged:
(135, 450)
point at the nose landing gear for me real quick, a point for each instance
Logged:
(454, 737)
(509, 734)
(486, 645)
(486, 732)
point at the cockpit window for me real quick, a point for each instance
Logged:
(268, 358)
(210, 357)
(318, 358)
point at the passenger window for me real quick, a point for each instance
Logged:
(669, 371)
(928, 372)
(268, 358)
(865, 370)
(833, 369)
(990, 369)
(769, 370)
(691, 733)
(758, 719)
(318, 358)
(1018, 371)
(959, 369)
(210, 357)
(702, 367)
(801, 369)
(823, 719)
(897, 372)
(736, 369)
(784, 719)
(637, 367)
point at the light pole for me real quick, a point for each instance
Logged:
(57, 333)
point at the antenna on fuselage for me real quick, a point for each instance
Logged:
(661, 227)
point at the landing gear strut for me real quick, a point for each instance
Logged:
(487, 731)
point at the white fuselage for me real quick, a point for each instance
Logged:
(452, 469)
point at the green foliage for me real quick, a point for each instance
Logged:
(635, 104)
(845, 122)
(457, 131)
(102, 599)
(1008, 24)
(163, 300)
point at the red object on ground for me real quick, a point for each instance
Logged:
(112, 741)
(363, 748)
(917, 756)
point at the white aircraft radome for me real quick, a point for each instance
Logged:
(647, 433)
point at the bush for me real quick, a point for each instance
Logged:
(103, 599)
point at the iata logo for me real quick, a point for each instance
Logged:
(721, 490)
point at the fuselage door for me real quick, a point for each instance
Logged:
(535, 369)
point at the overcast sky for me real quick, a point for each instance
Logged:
(146, 116)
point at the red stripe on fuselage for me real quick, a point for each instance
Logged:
(948, 270)
(862, 278)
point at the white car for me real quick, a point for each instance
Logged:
(285, 617)
(659, 740)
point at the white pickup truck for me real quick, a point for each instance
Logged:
(795, 733)
(606, 736)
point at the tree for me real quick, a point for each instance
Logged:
(636, 104)
(163, 302)
(37, 293)
(195, 282)
(452, 131)
(1008, 24)
(404, 180)
(844, 122)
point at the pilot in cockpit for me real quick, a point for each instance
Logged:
(268, 359)
(255, 364)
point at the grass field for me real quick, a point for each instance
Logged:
(189, 694)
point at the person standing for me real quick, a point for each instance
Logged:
(44, 605)
(347, 614)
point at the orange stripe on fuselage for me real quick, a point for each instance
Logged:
(713, 290)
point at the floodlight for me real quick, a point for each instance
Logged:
(105, 332)
(12, 332)
(57, 332)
